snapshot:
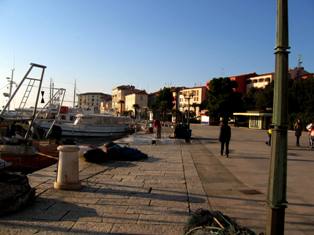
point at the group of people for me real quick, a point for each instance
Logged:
(298, 127)
(225, 134)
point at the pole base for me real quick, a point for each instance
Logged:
(275, 224)
(68, 186)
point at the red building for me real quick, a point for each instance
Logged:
(298, 73)
(241, 81)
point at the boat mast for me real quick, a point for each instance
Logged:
(74, 94)
(11, 84)
(50, 90)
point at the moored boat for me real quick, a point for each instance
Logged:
(91, 125)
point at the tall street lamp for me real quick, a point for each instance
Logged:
(277, 183)
(188, 96)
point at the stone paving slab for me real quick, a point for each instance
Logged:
(240, 182)
(153, 196)
(157, 195)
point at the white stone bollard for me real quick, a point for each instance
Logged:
(68, 168)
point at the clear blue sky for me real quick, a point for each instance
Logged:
(147, 43)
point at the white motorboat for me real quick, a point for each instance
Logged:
(91, 125)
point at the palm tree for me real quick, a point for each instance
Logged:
(136, 107)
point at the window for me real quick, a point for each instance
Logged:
(254, 122)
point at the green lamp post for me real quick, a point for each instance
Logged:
(277, 184)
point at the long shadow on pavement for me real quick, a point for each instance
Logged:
(49, 209)
(299, 160)
(148, 194)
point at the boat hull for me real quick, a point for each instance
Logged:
(70, 130)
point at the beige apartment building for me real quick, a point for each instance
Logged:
(260, 81)
(139, 98)
(106, 106)
(91, 100)
(192, 97)
(118, 97)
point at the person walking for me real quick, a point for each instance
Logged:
(310, 128)
(224, 137)
(269, 132)
(298, 131)
(157, 125)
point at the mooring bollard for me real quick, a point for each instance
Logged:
(68, 168)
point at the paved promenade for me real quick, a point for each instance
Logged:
(157, 195)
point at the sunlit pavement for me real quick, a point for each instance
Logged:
(157, 195)
(240, 187)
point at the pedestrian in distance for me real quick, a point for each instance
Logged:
(298, 131)
(269, 132)
(224, 137)
(157, 125)
(310, 128)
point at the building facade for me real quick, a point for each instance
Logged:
(137, 100)
(259, 81)
(118, 97)
(242, 81)
(92, 100)
(191, 98)
(106, 105)
(299, 73)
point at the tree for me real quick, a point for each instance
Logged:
(222, 99)
(136, 107)
(264, 98)
(249, 99)
(163, 103)
(301, 100)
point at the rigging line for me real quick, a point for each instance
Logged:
(3, 87)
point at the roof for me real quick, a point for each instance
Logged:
(264, 74)
(297, 72)
(138, 92)
(244, 75)
(195, 87)
(125, 87)
(94, 93)
(256, 114)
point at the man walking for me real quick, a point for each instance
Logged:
(298, 131)
(224, 137)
